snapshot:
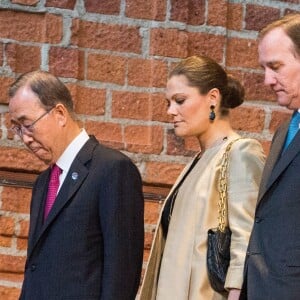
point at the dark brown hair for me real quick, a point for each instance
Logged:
(205, 74)
(290, 24)
(49, 89)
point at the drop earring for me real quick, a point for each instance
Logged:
(212, 114)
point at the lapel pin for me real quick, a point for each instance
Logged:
(74, 175)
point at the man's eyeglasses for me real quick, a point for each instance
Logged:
(22, 129)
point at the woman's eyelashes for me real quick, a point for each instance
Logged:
(178, 101)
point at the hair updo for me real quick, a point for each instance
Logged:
(205, 74)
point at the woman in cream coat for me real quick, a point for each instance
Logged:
(199, 95)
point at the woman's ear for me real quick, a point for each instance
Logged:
(214, 97)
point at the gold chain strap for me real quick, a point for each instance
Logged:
(222, 184)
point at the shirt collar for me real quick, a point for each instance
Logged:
(68, 156)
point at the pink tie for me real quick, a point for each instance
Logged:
(52, 189)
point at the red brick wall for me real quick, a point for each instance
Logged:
(115, 56)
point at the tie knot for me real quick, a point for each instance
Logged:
(295, 118)
(55, 171)
(293, 128)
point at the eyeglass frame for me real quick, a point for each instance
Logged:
(22, 129)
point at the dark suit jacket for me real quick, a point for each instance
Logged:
(272, 267)
(91, 244)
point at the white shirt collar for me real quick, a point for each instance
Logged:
(68, 156)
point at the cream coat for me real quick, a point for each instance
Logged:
(182, 258)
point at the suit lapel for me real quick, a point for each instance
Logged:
(277, 162)
(74, 179)
(275, 152)
(285, 159)
(37, 209)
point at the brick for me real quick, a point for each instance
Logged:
(177, 145)
(94, 35)
(22, 244)
(247, 53)
(23, 59)
(254, 86)
(7, 226)
(9, 263)
(5, 82)
(64, 62)
(145, 260)
(152, 211)
(162, 172)
(191, 12)
(111, 7)
(251, 119)
(20, 159)
(5, 241)
(148, 240)
(109, 134)
(131, 105)
(147, 73)
(1, 54)
(291, 1)
(67, 4)
(15, 277)
(277, 118)
(151, 9)
(235, 16)
(258, 16)
(206, 44)
(9, 293)
(217, 13)
(159, 108)
(24, 229)
(291, 11)
(144, 139)
(266, 145)
(87, 100)
(155, 193)
(25, 2)
(31, 27)
(16, 199)
(168, 42)
(106, 68)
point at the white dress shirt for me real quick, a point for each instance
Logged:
(68, 156)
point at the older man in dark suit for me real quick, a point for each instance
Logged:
(272, 268)
(86, 220)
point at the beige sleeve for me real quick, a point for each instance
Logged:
(245, 168)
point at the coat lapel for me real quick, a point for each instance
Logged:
(277, 162)
(37, 208)
(285, 159)
(275, 152)
(74, 179)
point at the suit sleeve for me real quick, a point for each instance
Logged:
(122, 222)
(244, 174)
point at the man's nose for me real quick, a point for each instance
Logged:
(270, 77)
(26, 138)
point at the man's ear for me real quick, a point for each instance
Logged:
(61, 114)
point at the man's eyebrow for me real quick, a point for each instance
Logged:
(20, 119)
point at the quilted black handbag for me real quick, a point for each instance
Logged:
(218, 257)
(218, 239)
